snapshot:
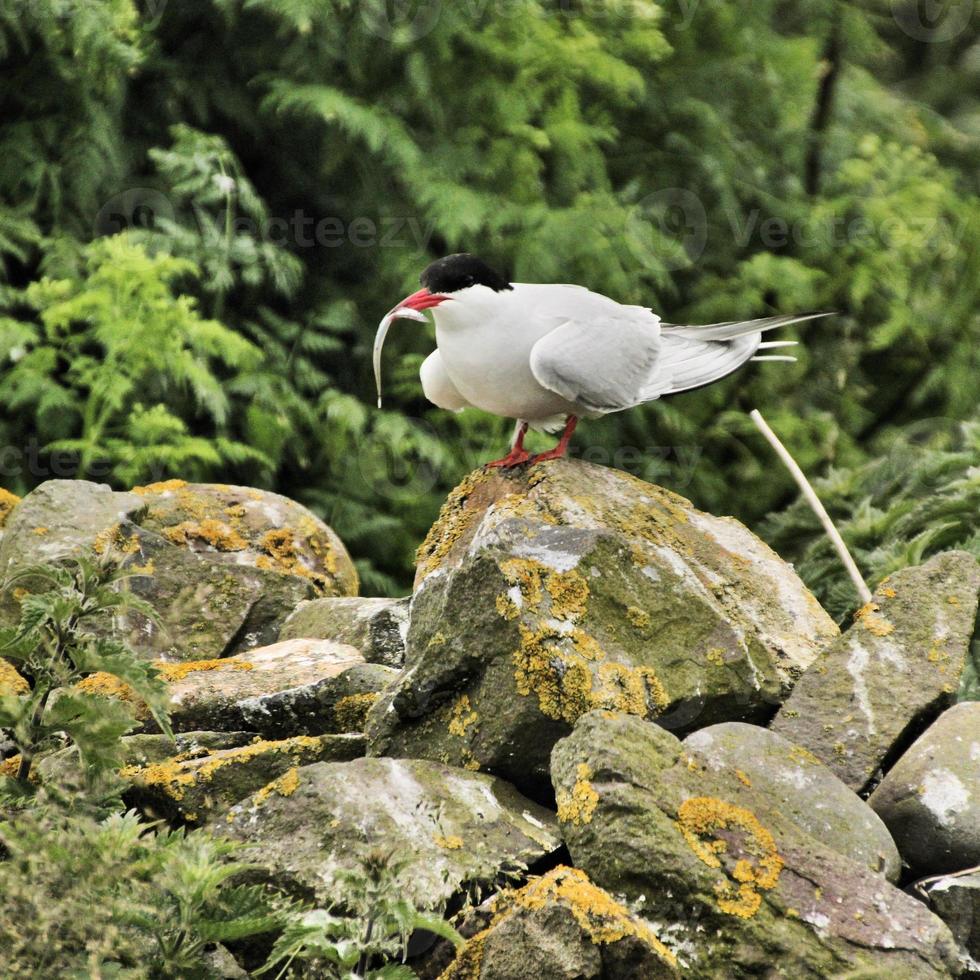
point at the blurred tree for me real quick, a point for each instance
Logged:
(709, 160)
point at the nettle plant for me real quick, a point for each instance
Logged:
(63, 637)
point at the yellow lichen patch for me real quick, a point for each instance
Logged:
(742, 778)
(952, 600)
(169, 776)
(164, 486)
(282, 555)
(703, 817)
(569, 594)
(577, 806)
(867, 617)
(350, 712)
(41, 531)
(638, 617)
(454, 520)
(715, 656)
(526, 574)
(887, 593)
(438, 640)
(449, 843)
(462, 716)
(600, 916)
(11, 683)
(218, 534)
(506, 607)
(285, 785)
(113, 539)
(174, 672)
(8, 502)
(570, 676)
(110, 686)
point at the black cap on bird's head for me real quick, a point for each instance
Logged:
(439, 281)
(455, 272)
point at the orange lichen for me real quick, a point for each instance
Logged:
(462, 716)
(178, 671)
(867, 617)
(600, 917)
(41, 530)
(350, 712)
(455, 520)
(109, 686)
(703, 817)
(284, 785)
(164, 486)
(113, 539)
(282, 555)
(638, 618)
(218, 534)
(11, 683)
(450, 842)
(578, 805)
(8, 502)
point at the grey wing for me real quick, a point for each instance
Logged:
(603, 365)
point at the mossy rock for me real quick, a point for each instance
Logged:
(781, 775)
(891, 674)
(444, 831)
(562, 927)
(930, 798)
(733, 886)
(222, 566)
(546, 592)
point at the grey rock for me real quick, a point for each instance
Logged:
(930, 798)
(956, 900)
(891, 673)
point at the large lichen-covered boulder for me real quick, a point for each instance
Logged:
(197, 785)
(891, 673)
(561, 927)
(294, 687)
(377, 627)
(222, 566)
(543, 593)
(441, 830)
(734, 887)
(930, 798)
(792, 780)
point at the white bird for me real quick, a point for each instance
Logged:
(550, 354)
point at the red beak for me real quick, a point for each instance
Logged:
(422, 300)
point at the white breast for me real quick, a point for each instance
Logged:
(485, 340)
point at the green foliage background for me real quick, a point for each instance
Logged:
(205, 209)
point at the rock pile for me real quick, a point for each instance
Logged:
(618, 733)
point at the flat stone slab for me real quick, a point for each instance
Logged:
(785, 777)
(376, 627)
(440, 829)
(730, 884)
(895, 670)
(930, 798)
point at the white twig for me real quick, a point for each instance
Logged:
(814, 501)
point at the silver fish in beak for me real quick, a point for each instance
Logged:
(409, 308)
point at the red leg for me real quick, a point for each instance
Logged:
(562, 446)
(518, 454)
